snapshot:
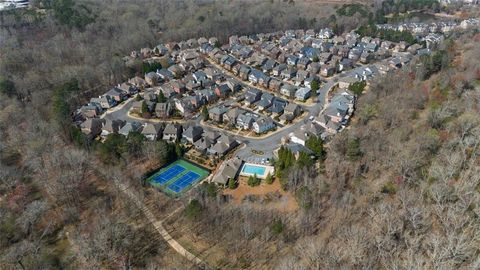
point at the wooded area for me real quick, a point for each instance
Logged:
(397, 189)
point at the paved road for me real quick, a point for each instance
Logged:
(261, 144)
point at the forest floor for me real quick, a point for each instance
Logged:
(263, 196)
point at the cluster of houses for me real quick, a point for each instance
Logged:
(210, 143)
(284, 65)
(288, 62)
(432, 33)
(330, 121)
(113, 97)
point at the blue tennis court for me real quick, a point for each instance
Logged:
(169, 174)
(177, 177)
(184, 181)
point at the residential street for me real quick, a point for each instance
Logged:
(261, 144)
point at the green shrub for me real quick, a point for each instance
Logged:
(211, 190)
(277, 227)
(232, 184)
(193, 209)
(353, 149)
(269, 179)
(389, 188)
(253, 181)
(304, 198)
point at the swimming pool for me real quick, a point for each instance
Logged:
(254, 169)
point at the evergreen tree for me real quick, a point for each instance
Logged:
(161, 97)
(144, 107)
(232, 183)
(269, 179)
(205, 113)
(315, 144)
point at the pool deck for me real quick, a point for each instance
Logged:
(268, 170)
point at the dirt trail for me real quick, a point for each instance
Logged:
(160, 228)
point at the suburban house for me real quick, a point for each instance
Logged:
(303, 93)
(245, 121)
(172, 132)
(178, 86)
(216, 113)
(176, 70)
(327, 70)
(314, 129)
(111, 126)
(256, 76)
(355, 53)
(265, 101)
(292, 60)
(300, 136)
(264, 80)
(207, 95)
(152, 131)
(233, 85)
(232, 114)
(263, 124)
(252, 95)
(203, 144)
(303, 63)
(192, 133)
(92, 127)
(222, 90)
(345, 82)
(269, 65)
(223, 146)
(344, 64)
(275, 85)
(228, 62)
(152, 78)
(228, 170)
(288, 73)
(91, 110)
(278, 106)
(244, 72)
(330, 126)
(211, 135)
(139, 82)
(163, 110)
(199, 76)
(366, 57)
(105, 101)
(295, 148)
(276, 71)
(130, 127)
(116, 93)
(288, 90)
(128, 88)
(165, 74)
(293, 109)
(193, 85)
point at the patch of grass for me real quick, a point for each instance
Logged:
(389, 188)
(277, 227)
(193, 209)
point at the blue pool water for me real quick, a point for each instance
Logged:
(252, 169)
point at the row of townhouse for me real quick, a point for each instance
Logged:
(241, 119)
